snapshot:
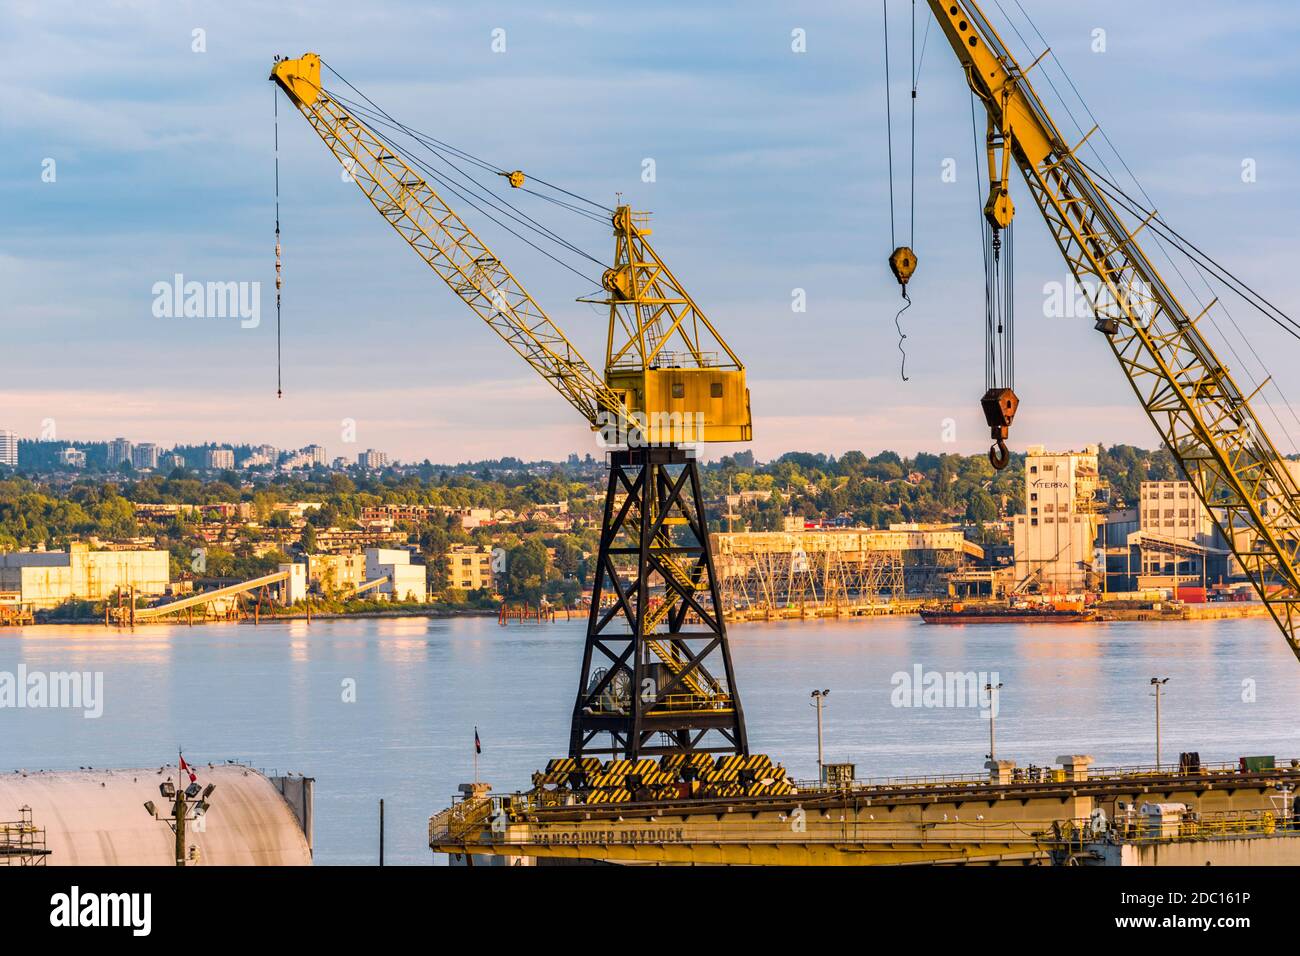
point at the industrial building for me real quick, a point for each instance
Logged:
(836, 568)
(46, 579)
(406, 581)
(1053, 540)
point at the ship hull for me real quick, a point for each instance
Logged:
(1007, 617)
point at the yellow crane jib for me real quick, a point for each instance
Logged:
(670, 378)
(1203, 417)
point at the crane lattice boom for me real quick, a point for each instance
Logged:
(446, 243)
(1203, 417)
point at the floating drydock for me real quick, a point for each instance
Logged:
(1071, 813)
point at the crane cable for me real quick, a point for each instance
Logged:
(1175, 238)
(380, 116)
(279, 367)
(902, 261)
(999, 402)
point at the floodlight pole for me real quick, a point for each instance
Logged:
(178, 812)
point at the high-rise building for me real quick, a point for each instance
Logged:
(145, 455)
(371, 459)
(119, 452)
(8, 448)
(219, 459)
(73, 457)
(1055, 539)
(173, 460)
(317, 454)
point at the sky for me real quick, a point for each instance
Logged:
(771, 176)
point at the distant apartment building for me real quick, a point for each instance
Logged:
(46, 579)
(1054, 540)
(8, 448)
(173, 461)
(316, 455)
(146, 455)
(389, 515)
(334, 573)
(72, 457)
(469, 568)
(372, 460)
(219, 459)
(119, 452)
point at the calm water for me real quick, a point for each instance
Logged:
(272, 696)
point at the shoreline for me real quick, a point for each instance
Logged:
(1191, 612)
(296, 616)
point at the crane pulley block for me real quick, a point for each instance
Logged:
(999, 406)
(902, 262)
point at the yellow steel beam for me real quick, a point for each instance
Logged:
(1203, 417)
(443, 240)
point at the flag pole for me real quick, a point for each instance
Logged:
(476, 756)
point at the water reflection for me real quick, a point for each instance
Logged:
(277, 696)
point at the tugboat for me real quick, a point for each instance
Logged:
(1061, 612)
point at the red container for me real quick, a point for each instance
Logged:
(1191, 595)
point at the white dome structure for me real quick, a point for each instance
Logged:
(98, 817)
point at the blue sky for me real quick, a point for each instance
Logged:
(771, 176)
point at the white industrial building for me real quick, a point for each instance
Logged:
(406, 581)
(1054, 540)
(46, 579)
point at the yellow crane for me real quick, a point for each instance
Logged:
(670, 382)
(1203, 417)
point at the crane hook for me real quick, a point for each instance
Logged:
(999, 456)
(1000, 406)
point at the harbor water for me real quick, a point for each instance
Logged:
(387, 708)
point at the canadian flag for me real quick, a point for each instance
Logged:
(185, 768)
